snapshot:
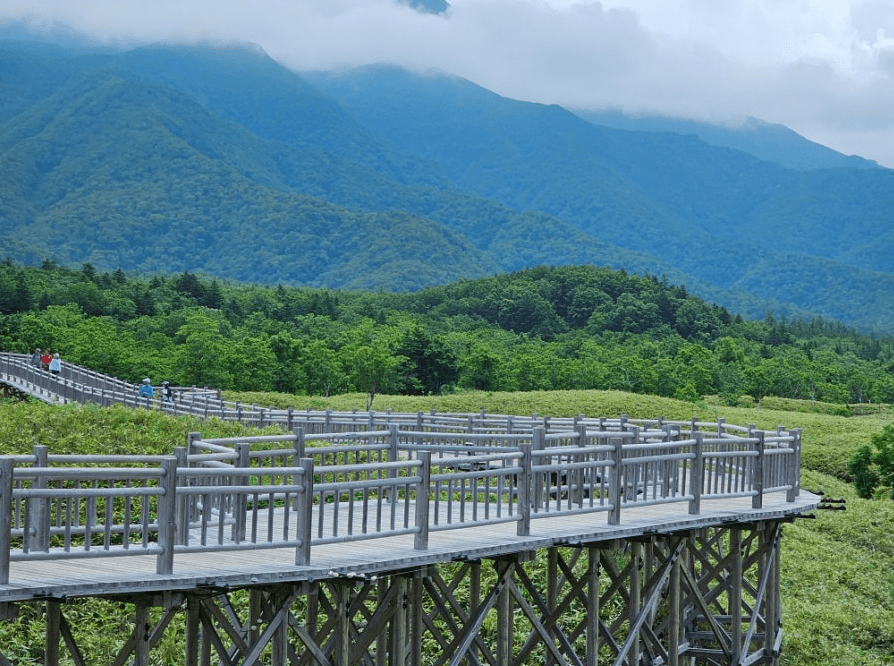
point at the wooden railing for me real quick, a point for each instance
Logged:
(413, 475)
(81, 385)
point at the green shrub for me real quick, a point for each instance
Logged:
(873, 470)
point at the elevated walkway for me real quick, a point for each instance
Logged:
(680, 518)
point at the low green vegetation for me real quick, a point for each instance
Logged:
(872, 466)
(838, 589)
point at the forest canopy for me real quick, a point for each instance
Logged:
(546, 328)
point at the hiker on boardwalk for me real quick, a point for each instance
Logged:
(45, 359)
(167, 394)
(146, 390)
(35, 358)
(56, 364)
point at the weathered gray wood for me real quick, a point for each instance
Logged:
(6, 503)
(653, 565)
(342, 656)
(167, 515)
(141, 633)
(416, 610)
(193, 631)
(397, 650)
(53, 633)
(676, 612)
(505, 615)
(735, 593)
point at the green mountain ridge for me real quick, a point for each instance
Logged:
(219, 160)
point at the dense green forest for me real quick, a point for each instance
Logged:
(221, 161)
(547, 328)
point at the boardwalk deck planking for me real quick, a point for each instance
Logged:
(86, 577)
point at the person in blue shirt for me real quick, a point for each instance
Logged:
(146, 390)
(56, 365)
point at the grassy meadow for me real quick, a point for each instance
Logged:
(837, 566)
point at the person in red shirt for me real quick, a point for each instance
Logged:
(45, 359)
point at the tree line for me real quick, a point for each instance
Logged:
(546, 328)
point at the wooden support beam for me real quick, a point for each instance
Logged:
(708, 596)
(552, 586)
(54, 618)
(416, 612)
(592, 606)
(734, 593)
(504, 612)
(193, 631)
(141, 631)
(342, 656)
(398, 643)
(675, 610)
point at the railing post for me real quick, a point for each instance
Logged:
(615, 483)
(697, 478)
(38, 507)
(393, 453)
(167, 526)
(578, 476)
(240, 501)
(631, 486)
(7, 465)
(795, 467)
(757, 500)
(423, 495)
(182, 511)
(524, 490)
(190, 442)
(297, 455)
(304, 511)
(538, 442)
(298, 447)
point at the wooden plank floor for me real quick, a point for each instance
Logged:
(135, 574)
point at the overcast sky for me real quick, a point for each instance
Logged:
(824, 68)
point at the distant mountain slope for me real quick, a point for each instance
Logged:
(634, 189)
(219, 160)
(772, 143)
(124, 171)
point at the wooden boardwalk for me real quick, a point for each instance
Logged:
(665, 533)
(110, 576)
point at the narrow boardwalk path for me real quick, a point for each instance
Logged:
(242, 568)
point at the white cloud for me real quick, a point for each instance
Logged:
(825, 68)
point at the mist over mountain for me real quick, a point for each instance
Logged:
(770, 142)
(221, 161)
